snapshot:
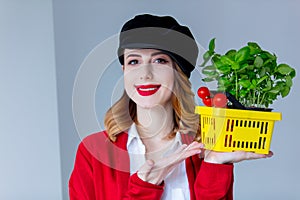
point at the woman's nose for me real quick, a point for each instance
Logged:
(146, 72)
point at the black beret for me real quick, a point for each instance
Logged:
(163, 33)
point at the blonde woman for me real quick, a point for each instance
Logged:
(148, 150)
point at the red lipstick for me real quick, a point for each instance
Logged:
(147, 90)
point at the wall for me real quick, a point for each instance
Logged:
(29, 144)
(81, 25)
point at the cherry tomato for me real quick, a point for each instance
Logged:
(203, 92)
(220, 100)
(207, 101)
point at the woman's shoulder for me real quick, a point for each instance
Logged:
(101, 139)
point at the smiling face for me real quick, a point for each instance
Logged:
(148, 77)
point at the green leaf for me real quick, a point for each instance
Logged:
(245, 83)
(235, 66)
(226, 60)
(221, 88)
(223, 81)
(285, 91)
(284, 69)
(262, 72)
(242, 54)
(254, 45)
(243, 93)
(276, 90)
(262, 79)
(206, 57)
(258, 62)
(288, 81)
(268, 86)
(210, 73)
(254, 48)
(224, 69)
(211, 45)
(207, 79)
(243, 68)
(250, 67)
(244, 76)
(209, 67)
(231, 54)
(293, 73)
(218, 64)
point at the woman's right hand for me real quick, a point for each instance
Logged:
(156, 172)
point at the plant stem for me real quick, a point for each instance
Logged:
(236, 85)
(262, 100)
(257, 102)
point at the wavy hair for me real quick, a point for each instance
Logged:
(122, 114)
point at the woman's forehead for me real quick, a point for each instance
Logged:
(144, 51)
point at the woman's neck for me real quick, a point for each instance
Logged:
(155, 123)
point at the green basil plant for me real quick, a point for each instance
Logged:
(250, 73)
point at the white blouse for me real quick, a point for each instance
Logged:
(176, 183)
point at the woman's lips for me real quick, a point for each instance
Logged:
(147, 90)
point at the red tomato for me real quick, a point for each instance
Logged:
(207, 101)
(220, 100)
(203, 92)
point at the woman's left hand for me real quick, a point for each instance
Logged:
(232, 157)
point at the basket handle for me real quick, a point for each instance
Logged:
(234, 101)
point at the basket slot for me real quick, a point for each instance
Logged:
(262, 128)
(266, 128)
(251, 145)
(227, 125)
(253, 124)
(257, 125)
(214, 123)
(236, 122)
(249, 124)
(262, 143)
(233, 145)
(232, 125)
(226, 137)
(245, 123)
(241, 123)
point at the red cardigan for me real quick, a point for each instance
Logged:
(101, 172)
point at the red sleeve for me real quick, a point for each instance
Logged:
(82, 182)
(139, 189)
(214, 182)
(81, 186)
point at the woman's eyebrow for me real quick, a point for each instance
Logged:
(158, 53)
(133, 55)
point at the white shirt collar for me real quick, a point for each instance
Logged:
(134, 135)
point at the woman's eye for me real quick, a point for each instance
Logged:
(161, 61)
(133, 62)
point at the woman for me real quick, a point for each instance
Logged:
(147, 150)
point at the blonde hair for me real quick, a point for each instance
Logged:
(122, 114)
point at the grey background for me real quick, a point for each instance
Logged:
(44, 43)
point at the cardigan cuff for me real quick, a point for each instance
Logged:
(139, 189)
(214, 167)
(136, 180)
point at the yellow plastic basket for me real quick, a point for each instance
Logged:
(228, 130)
